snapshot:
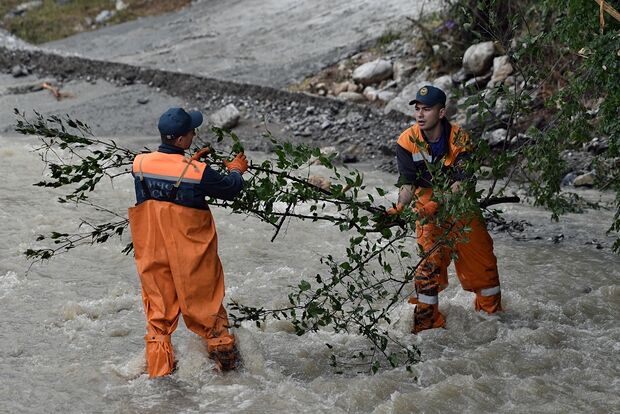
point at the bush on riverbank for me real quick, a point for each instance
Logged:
(43, 21)
(551, 120)
(569, 52)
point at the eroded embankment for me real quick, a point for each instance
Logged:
(305, 118)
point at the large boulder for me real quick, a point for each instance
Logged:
(401, 102)
(478, 58)
(372, 72)
(226, 117)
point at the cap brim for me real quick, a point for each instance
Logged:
(196, 118)
(415, 101)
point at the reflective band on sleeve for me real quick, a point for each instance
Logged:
(172, 178)
(429, 300)
(420, 156)
(490, 291)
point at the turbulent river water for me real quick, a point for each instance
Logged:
(72, 328)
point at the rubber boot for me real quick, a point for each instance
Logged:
(427, 317)
(489, 304)
(223, 351)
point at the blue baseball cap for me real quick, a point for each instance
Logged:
(429, 95)
(176, 122)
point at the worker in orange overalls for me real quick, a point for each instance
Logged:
(433, 144)
(175, 243)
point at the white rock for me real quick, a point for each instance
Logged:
(120, 5)
(402, 70)
(501, 70)
(386, 96)
(401, 102)
(103, 16)
(586, 179)
(327, 151)
(444, 83)
(370, 93)
(372, 72)
(495, 137)
(478, 58)
(352, 97)
(226, 117)
(338, 88)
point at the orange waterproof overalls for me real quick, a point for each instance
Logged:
(476, 264)
(177, 260)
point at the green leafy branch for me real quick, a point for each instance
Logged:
(358, 293)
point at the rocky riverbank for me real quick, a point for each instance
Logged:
(387, 78)
(357, 132)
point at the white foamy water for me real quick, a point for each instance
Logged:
(72, 328)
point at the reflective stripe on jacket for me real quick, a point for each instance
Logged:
(169, 177)
(413, 154)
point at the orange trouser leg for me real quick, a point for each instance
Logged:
(162, 316)
(430, 277)
(159, 355)
(476, 266)
(161, 307)
(443, 279)
(488, 303)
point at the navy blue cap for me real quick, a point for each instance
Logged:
(176, 122)
(429, 95)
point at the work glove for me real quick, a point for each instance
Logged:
(429, 209)
(200, 153)
(239, 163)
(397, 209)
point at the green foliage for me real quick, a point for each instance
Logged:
(566, 92)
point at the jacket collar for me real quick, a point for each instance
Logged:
(170, 149)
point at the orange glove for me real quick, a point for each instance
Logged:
(239, 163)
(200, 153)
(397, 209)
(429, 209)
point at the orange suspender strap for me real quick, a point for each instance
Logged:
(175, 189)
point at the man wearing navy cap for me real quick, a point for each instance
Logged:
(175, 243)
(431, 147)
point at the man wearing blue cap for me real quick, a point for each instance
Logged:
(175, 243)
(433, 146)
